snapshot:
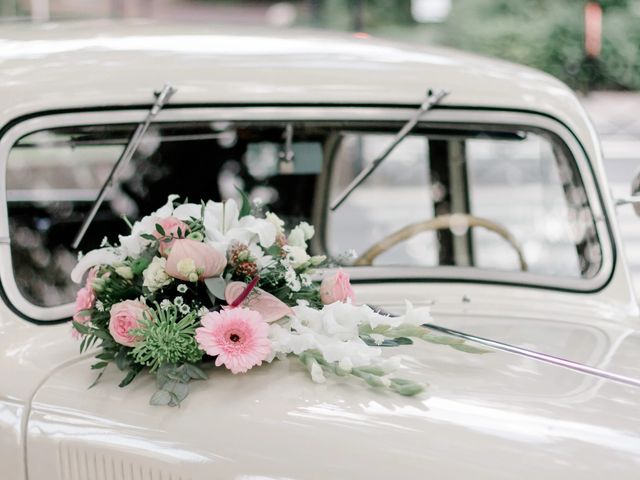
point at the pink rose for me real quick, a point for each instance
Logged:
(125, 316)
(85, 300)
(170, 225)
(191, 260)
(336, 288)
(270, 307)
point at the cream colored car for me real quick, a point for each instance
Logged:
(493, 208)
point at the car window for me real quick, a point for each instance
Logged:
(508, 201)
(53, 177)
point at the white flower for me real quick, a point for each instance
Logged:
(307, 230)
(99, 306)
(305, 280)
(224, 226)
(155, 275)
(296, 256)
(291, 279)
(125, 272)
(317, 375)
(184, 308)
(187, 268)
(165, 304)
(275, 221)
(377, 338)
(182, 288)
(202, 311)
(104, 242)
(178, 301)
(296, 238)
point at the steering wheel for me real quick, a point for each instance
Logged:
(440, 222)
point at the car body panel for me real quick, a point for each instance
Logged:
(91, 64)
(494, 415)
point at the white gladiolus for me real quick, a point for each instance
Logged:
(296, 238)
(273, 219)
(155, 275)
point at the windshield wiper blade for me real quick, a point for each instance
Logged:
(432, 99)
(162, 98)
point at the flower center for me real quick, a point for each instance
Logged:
(234, 337)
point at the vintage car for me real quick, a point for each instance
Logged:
(485, 198)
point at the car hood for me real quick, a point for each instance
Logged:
(494, 415)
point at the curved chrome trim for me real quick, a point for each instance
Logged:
(543, 357)
(306, 113)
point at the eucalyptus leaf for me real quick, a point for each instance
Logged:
(160, 398)
(160, 230)
(194, 372)
(216, 285)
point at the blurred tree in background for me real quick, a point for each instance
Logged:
(549, 35)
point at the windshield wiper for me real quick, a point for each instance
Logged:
(162, 98)
(432, 99)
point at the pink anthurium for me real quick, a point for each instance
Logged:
(270, 307)
(191, 260)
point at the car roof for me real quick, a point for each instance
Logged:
(106, 63)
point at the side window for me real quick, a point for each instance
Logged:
(52, 179)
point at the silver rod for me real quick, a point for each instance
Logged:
(161, 99)
(432, 99)
(560, 362)
(628, 200)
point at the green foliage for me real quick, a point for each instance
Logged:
(166, 340)
(172, 382)
(553, 39)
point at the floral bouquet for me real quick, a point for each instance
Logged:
(198, 284)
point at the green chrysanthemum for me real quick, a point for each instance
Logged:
(166, 340)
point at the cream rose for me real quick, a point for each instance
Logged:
(155, 275)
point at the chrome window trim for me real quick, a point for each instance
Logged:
(292, 113)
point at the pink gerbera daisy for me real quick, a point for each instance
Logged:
(238, 337)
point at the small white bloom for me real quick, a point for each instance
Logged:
(125, 272)
(155, 275)
(99, 306)
(182, 288)
(187, 268)
(165, 304)
(377, 338)
(104, 242)
(317, 375)
(275, 221)
(202, 311)
(296, 238)
(291, 279)
(305, 280)
(178, 301)
(296, 256)
(184, 309)
(307, 230)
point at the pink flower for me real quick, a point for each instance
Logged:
(85, 300)
(269, 306)
(170, 225)
(238, 337)
(125, 316)
(191, 260)
(336, 288)
(91, 276)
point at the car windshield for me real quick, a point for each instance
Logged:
(481, 197)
